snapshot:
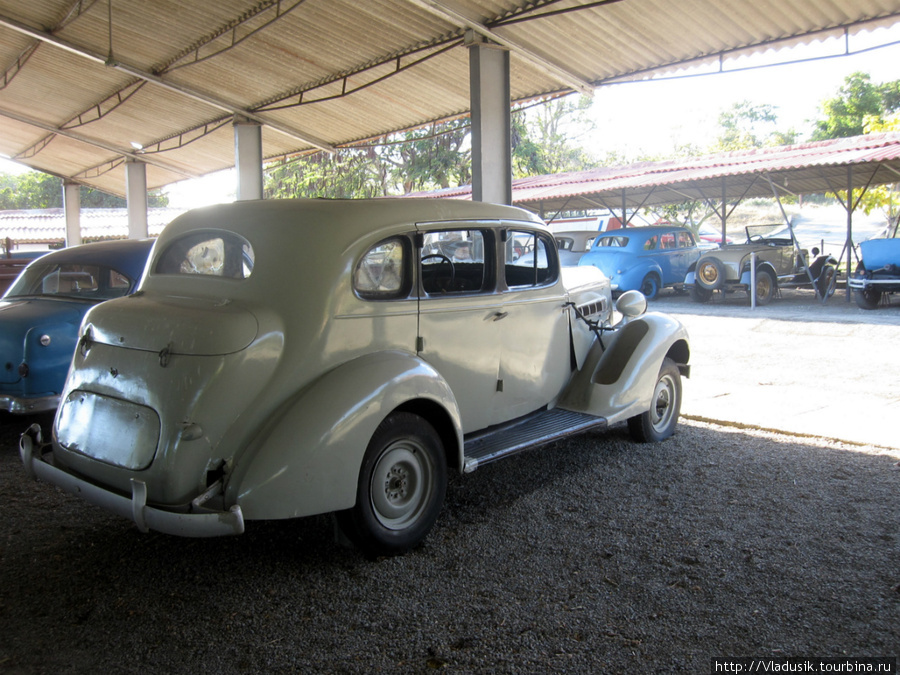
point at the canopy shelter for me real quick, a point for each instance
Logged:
(95, 89)
(851, 165)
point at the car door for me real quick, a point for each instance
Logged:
(535, 357)
(685, 255)
(460, 315)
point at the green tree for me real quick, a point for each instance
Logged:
(38, 190)
(857, 101)
(545, 137)
(746, 125)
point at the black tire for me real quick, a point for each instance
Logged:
(402, 483)
(650, 286)
(827, 281)
(710, 274)
(870, 298)
(659, 422)
(766, 285)
(699, 294)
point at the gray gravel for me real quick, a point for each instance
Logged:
(594, 555)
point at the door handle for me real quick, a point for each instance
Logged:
(500, 315)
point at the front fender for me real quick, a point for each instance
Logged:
(308, 460)
(617, 382)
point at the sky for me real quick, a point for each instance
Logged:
(654, 117)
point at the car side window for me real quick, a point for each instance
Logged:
(685, 240)
(454, 261)
(652, 243)
(208, 253)
(528, 260)
(383, 273)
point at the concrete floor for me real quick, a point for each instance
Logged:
(795, 365)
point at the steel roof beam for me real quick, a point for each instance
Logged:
(453, 15)
(48, 38)
(97, 144)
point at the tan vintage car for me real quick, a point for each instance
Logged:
(288, 358)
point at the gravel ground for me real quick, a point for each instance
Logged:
(596, 555)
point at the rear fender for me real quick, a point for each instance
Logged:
(617, 382)
(745, 274)
(308, 460)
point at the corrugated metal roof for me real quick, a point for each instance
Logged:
(806, 168)
(48, 226)
(79, 89)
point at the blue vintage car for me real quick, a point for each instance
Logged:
(644, 259)
(878, 274)
(42, 310)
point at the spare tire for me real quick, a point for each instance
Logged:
(710, 274)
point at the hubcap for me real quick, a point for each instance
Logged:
(401, 484)
(709, 274)
(663, 408)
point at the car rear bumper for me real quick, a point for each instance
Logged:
(19, 405)
(195, 521)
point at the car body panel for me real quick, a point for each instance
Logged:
(40, 315)
(260, 366)
(664, 251)
(878, 272)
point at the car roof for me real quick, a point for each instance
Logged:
(344, 219)
(647, 231)
(128, 256)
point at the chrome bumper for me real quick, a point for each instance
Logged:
(26, 406)
(199, 522)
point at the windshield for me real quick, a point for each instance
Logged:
(64, 280)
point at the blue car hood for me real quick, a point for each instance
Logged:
(20, 315)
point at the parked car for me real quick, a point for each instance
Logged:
(728, 267)
(644, 258)
(573, 245)
(710, 237)
(288, 358)
(878, 273)
(42, 310)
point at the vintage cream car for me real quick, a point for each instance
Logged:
(288, 358)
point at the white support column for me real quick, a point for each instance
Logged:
(491, 145)
(248, 158)
(72, 205)
(136, 196)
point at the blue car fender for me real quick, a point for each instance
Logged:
(308, 461)
(632, 278)
(620, 374)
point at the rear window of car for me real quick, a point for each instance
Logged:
(383, 272)
(216, 254)
(616, 241)
(87, 282)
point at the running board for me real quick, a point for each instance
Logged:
(527, 432)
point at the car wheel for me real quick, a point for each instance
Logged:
(659, 422)
(826, 281)
(765, 286)
(710, 274)
(650, 286)
(868, 298)
(700, 294)
(401, 487)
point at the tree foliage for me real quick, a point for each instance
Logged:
(745, 125)
(38, 190)
(545, 137)
(858, 102)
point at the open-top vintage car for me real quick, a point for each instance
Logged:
(728, 268)
(41, 312)
(288, 358)
(878, 274)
